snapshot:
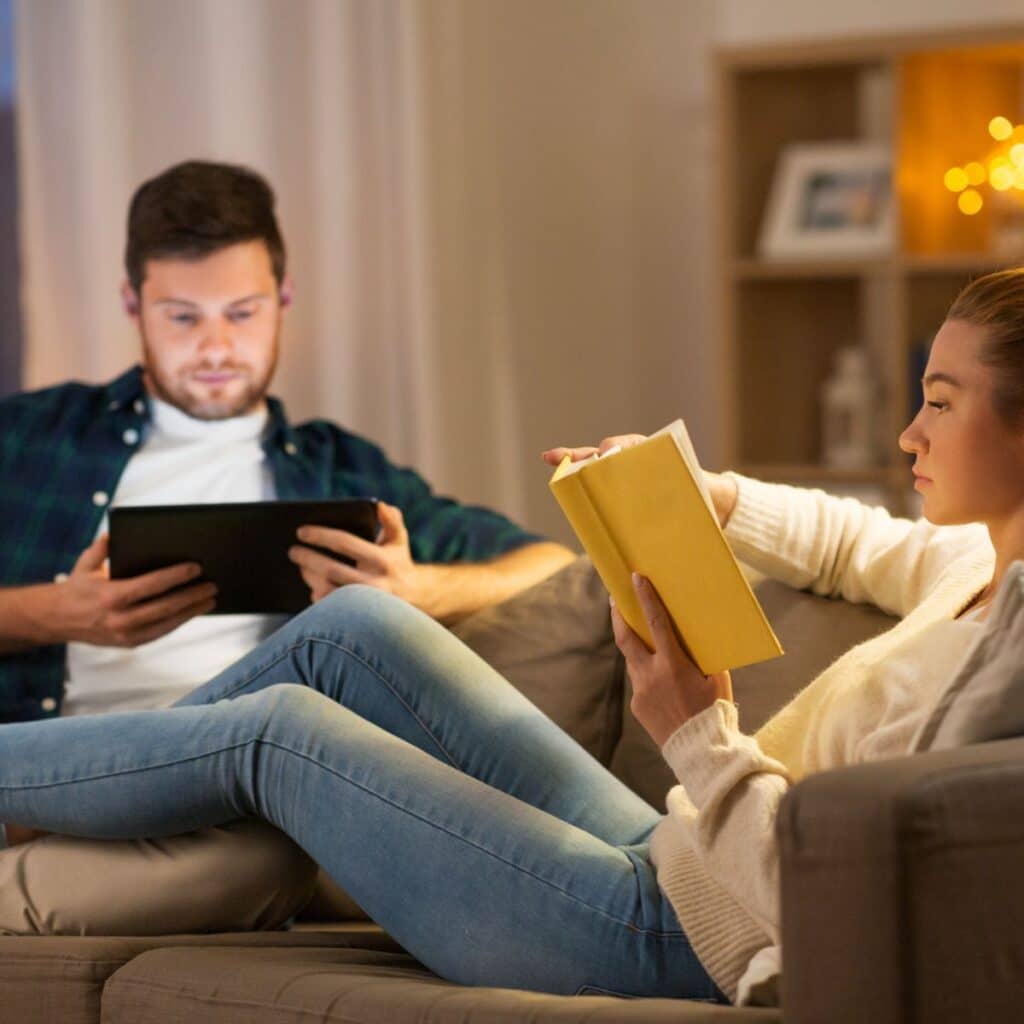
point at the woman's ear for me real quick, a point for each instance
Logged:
(286, 293)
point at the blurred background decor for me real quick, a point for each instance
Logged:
(829, 199)
(501, 214)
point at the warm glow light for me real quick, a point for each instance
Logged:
(1001, 179)
(1018, 133)
(1017, 154)
(976, 174)
(970, 202)
(956, 179)
(1018, 179)
(1000, 128)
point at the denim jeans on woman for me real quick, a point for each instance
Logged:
(473, 829)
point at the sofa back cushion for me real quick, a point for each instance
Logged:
(985, 698)
(554, 643)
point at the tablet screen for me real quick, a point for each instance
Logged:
(242, 547)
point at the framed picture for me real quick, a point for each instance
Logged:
(830, 199)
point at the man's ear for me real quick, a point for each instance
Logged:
(129, 300)
(286, 293)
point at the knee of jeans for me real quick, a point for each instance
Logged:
(283, 707)
(361, 607)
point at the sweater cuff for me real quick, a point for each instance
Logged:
(687, 749)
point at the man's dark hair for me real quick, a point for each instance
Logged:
(196, 208)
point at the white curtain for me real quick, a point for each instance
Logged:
(495, 210)
(319, 96)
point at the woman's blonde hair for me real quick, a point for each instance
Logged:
(995, 303)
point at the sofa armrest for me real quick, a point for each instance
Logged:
(903, 890)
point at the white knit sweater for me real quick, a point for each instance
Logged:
(715, 851)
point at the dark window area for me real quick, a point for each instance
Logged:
(10, 299)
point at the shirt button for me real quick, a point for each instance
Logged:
(100, 498)
(48, 704)
(112, 406)
(61, 577)
(139, 406)
(130, 436)
(290, 448)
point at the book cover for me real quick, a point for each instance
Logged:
(645, 509)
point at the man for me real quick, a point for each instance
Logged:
(207, 289)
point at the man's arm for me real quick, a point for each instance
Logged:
(88, 607)
(446, 592)
(451, 592)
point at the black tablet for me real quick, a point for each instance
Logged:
(243, 547)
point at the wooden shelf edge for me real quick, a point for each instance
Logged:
(820, 268)
(957, 262)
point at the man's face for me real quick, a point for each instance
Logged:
(209, 330)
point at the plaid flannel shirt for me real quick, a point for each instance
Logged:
(63, 450)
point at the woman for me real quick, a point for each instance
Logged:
(475, 831)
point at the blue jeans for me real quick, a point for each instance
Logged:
(473, 829)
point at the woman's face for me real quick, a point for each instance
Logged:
(969, 465)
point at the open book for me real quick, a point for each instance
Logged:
(646, 509)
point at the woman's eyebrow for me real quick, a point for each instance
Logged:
(940, 378)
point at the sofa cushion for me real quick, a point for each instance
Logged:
(296, 986)
(51, 980)
(985, 698)
(554, 643)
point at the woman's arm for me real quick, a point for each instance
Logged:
(725, 809)
(840, 547)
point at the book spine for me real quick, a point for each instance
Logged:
(576, 503)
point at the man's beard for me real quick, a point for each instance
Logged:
(174, 389)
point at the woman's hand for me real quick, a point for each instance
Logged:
(668, 688)
(554, 456)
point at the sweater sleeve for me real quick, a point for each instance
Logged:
(840, 547)
(736, 790)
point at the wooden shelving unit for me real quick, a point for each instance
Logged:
(931, 99)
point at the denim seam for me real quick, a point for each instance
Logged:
(475, 845)
(128, 771)
(352, 653)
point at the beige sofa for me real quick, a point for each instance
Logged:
(901, 891)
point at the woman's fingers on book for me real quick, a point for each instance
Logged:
(555, 455)
(620, 441)
(626, 640)
(655, 613)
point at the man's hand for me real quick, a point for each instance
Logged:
(386, 564)
(554, 456)
(91, 608)
(668, 688)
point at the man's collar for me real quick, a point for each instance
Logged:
(126, 389)
(280, 432)
(129, 388)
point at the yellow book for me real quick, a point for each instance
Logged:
(646, 509)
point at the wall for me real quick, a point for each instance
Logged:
(743, 22)
(569, 173)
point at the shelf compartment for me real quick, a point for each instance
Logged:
(805, 270)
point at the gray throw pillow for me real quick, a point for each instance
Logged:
(985, 699)
(554, 643)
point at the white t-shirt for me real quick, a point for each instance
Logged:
(181, 461)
